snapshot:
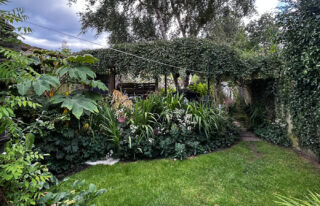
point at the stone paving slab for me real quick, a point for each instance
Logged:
(246, 135)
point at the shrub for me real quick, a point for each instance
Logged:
(169, 90)
(257, 115)
(158, 126)
(272, 131)
(78, 196)
(201, 88)
(167, 127)
(275, 133)
(22, 176)
(70, 144)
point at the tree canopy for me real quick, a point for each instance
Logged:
(262, 33)
(142, 20)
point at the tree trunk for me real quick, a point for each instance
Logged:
(217, 92)
(208, 86)
(3, 198)
(112, 82)
(177, 15)
(165, 84)
(159, 18)
(187, 80)
(176, 81)
(156, 84)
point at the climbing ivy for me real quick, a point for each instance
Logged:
(300, 80)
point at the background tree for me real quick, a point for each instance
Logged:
(262, 33)
(145, 20)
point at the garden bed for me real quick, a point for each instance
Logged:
(156, 127)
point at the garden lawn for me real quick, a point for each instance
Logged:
(242, 175)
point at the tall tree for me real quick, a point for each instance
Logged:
(136, 20)
(145, 20)
(262, 33)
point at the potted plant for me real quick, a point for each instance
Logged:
(3, 139)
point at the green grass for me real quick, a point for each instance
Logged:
(235, 176)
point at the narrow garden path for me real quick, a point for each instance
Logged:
(246, 136)
(250, 137)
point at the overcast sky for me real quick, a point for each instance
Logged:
(57, 14)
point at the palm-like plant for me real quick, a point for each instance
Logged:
(109, 124)
(313, 199)
(173, 101)
(206, 119)
(143, 116)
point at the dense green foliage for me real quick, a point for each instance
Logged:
(28, 84)
(68, 149)
(262, 34)
(235, 176)
(299, 86)
(25, 177)
(159, 126)
(54, 84)
(22, 177)
(275, 133)
(201, 88)
(168, 127)
(78, 196)
(196, 56)
(45, 90)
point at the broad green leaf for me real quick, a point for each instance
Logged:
(77, 72)
(100, 192)
(62, 70)
(29, 141)
(72, 73)
(52, 80)
(92, 188)
(40, 86)
(24, 87)
(76, 104)
(86, 71)
(96, 84)
(43, 83)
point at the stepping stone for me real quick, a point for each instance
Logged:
(250, 139)
(246, 135)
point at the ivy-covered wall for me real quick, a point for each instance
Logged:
(299, 88)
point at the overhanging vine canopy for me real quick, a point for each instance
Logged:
(195, 56)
